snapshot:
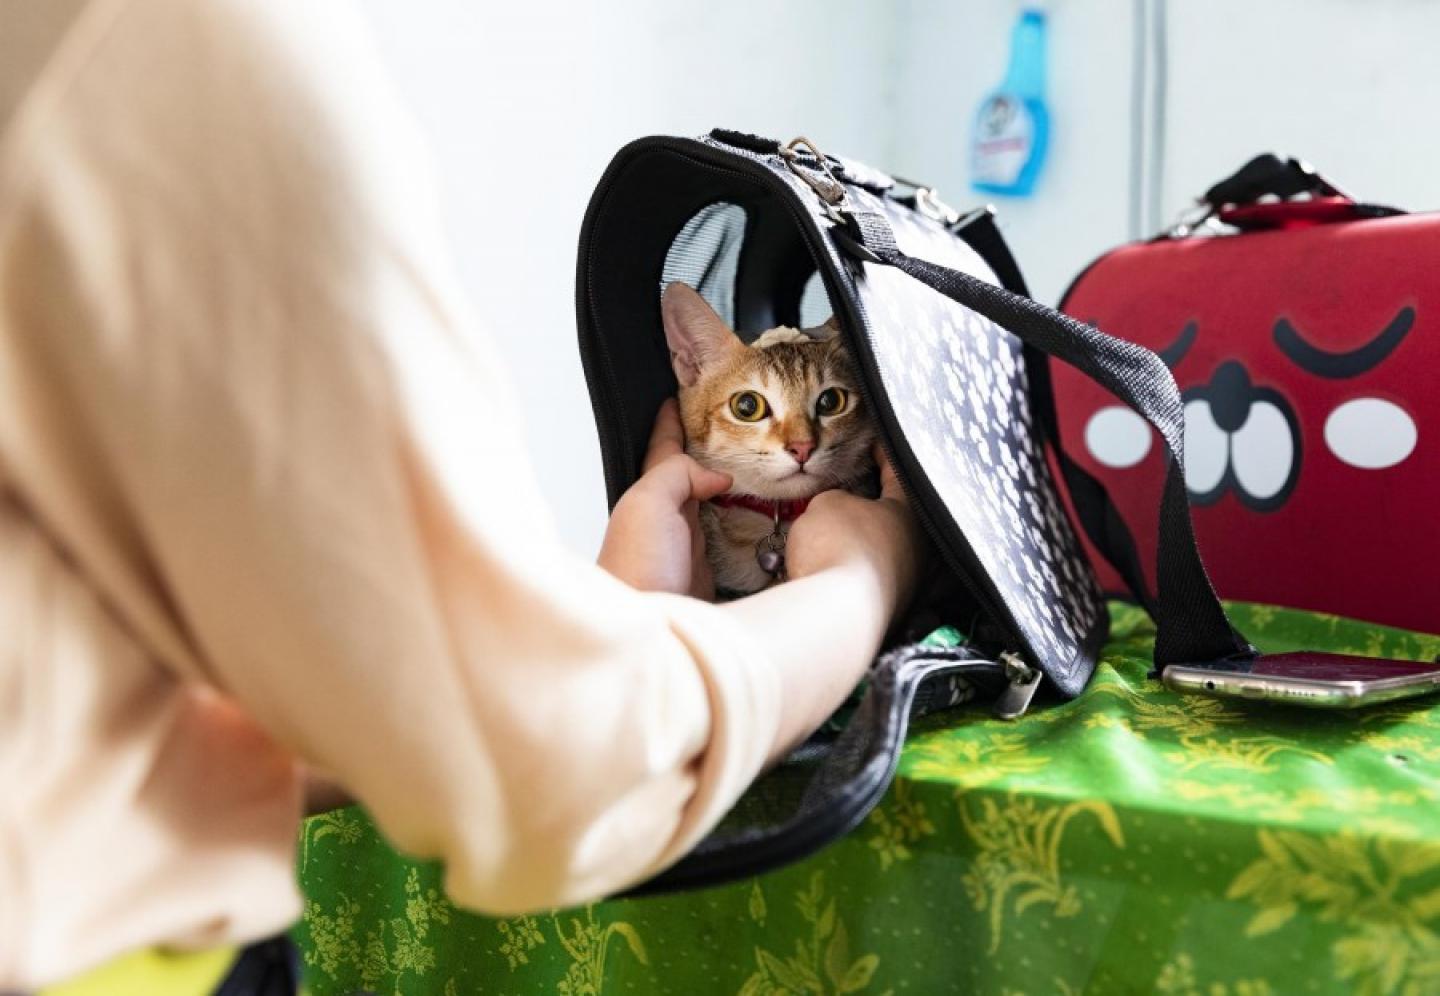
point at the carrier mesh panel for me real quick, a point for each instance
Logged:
(705, 255)
(814, 303)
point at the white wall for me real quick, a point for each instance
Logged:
(1349, 85)
(526, 103)
(951, 54)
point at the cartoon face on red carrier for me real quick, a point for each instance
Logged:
(1309, 423)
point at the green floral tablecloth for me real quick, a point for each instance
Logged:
(1131, 841)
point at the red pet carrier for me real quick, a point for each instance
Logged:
(1299, 325)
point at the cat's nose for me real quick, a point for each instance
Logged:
(800, 451)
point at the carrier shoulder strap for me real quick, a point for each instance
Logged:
(1191, 626)
(1094, 508)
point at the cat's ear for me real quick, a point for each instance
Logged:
(826, 332)
(695, 334)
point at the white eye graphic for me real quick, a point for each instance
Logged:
(1117, 437)
(1207, 449)
(1263, 451)
(1370, 433)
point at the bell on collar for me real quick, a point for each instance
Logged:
(770, 554)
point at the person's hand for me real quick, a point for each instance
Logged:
(876, 537)
(654, 541)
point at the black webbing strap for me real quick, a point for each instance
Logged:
(1094, 509)
(265, 968)
(1265, 174)
(1191, 626)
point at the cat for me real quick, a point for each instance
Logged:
(782, 416)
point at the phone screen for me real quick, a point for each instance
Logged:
(1336, 667)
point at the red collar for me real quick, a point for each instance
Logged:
(784, 509)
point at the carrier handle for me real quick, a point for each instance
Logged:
(836, 800)
(1266, 174)
(1239, 200)
(1094, 508)
(1191, 626)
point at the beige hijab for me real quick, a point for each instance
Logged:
(32, 32)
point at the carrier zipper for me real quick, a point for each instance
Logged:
(1022, 683)
(963, 564)
(593, 344)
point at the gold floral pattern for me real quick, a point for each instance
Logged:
(1019, 852)
(1083, 821)
(973, 763)
(332, 934)
(756, 906)
(588, 945)
(1190, 716)
(1196, 722)
(424, 906)
(392, 947)
(520, 935)
(1179, 978)
(1404, 748)
(397, 946)
(343, 824)
(1254, 754)
(1386, 890)
(1359, 802)
(898, 825)
(822, 964)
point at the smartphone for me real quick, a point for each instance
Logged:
(1307, 678)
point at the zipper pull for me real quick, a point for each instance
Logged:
(1023, 681)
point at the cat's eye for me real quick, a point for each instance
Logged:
(748, 406)
(832, 401)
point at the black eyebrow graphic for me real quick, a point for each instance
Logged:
(1175, 352)
(1337, 366)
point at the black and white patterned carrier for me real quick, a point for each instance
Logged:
(952, 367)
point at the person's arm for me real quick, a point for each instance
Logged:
(252, 408)
(853, 563)
(847, 553)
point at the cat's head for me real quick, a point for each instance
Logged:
(782, 416)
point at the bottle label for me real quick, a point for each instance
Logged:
(1004, 136)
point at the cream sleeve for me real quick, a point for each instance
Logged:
(242, 388)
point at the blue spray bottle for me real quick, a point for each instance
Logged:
(1012, 128)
